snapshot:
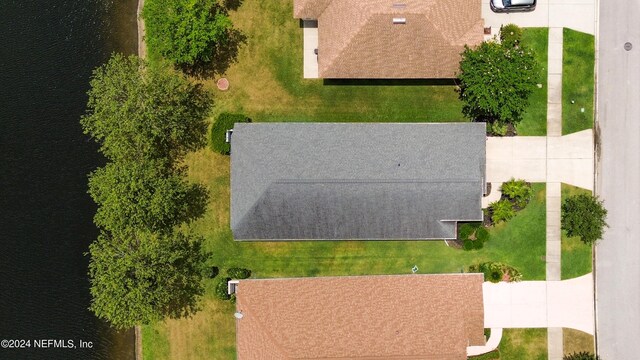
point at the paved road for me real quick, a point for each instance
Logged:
(618, 181)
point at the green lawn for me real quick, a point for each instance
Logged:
(267, 83)
(576, 256)
(575, 341)
(534, 122)
(577, 81)
(524, 344)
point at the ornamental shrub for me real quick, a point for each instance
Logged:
(224, 122)
(581, 356)
(501, 210)
(221, 289)
(510, 35)
(497, 271)
(238, 273)
(519, 192)
(464, 231)
(584, 215)
(482, 234)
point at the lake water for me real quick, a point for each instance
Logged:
(48, 49)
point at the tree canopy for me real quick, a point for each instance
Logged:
(185, 32)
(496, 81)
(144, 196)
(584, 215)
(138, 112)
(143, 278)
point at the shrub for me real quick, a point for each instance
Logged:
(482, 234)
(584, 216)
(221, 289)
(238, 273)
(501, 210)
(224, 122)
(518, 191)
(581, 356)
(497, 129)
(464, 231)
(510, 35)
(472, 235)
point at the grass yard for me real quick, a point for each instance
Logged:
(576, 256)
(524, 344)
(520, 242)
(577, 81)
(577, 341)
(534, 122)
(267, 83)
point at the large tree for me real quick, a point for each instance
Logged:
(138, 112)
(186, 31)
(142, 278)
(496, 81)
(584, 215)
(136, 196)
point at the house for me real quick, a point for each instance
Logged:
(391, 39)
(427, 317)
(359, 181)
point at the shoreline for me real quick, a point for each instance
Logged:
(142, 47)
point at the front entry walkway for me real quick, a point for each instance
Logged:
(540, 304)
(310, 45)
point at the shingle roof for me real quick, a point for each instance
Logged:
(428, 317)
(355, 181)
(357, 39)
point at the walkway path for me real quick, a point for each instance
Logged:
(555, 346)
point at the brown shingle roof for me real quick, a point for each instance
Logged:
(360, 317)
(357, 39)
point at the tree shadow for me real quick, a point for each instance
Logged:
(232, 4)
(224, 55)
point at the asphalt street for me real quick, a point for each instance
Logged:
(618, 180)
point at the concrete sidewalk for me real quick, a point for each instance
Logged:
(540, 304)
(310, 44)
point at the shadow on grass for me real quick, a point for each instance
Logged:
(232, 4)
(224, 55)
(390, 82)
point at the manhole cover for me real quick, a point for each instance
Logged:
(627, 46)
(223, 84)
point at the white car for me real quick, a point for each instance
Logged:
(512, 5)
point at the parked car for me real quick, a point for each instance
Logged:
(512, 5)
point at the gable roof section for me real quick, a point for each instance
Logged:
(357, 39)
(360, 317)
(355, 181)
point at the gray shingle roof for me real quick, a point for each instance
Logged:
(355, 181)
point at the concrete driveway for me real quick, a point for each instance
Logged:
(567, 159)
(540, 304)
(575, 14)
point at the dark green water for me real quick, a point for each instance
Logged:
(47, 51)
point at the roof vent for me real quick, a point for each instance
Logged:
(399, 6)
(398, 21)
